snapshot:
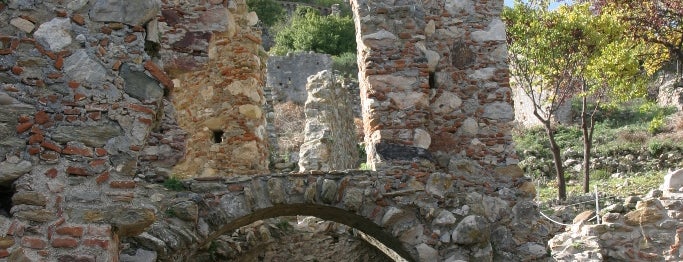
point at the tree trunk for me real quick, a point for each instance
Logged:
(586, 124)
(557, 159)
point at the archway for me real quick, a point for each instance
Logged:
(377, 234)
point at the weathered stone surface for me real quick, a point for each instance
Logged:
(22, 24)
(80, 67)
(140, 86)
(140, 255)
(131, 221)
(328, 191)
(11, 171)
(427, 253)
(132, 13)
(186, 210)
(329, 135)
(54, 34)
(95, 135)
(29, 198)
(673, 181)
(472, 229)
(295, 68)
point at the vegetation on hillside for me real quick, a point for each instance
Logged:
(572, 53)
(621, 131)
(307, 30)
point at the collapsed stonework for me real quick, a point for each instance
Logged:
(330, 137)
(100, 99)
(648, 229)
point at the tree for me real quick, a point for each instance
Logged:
(268, 11)
(309, 31)
(569, 53)
(659, 22)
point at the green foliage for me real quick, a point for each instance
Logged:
(284, 225)
(174, 184)
(364, 166)
(268, 11)
(309, 31)
(656, 124)
(346, 64)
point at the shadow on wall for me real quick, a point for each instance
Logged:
(378, 237)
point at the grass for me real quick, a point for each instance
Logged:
(637, 128)
(630, 185)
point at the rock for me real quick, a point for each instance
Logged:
(185, 210)
(140, 255)
(513, 171)
(129, 221)
(93, 135)
(392, 216)
(122, 11)
(81, 68)
(471, 230)
(496, 32)
(445, 218)
(584, 216)
(329, 191)
(11, 171)
(438, 184)
(500, 111)
(469, 127)
(55, 34)
(140, 86)
(532, 250)
(672, 181)
(446, 103)
(37, 215)
(22, 24)
(422, 139)
(29, 198)
(426, 253)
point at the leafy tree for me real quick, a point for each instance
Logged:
(309, 31)
(569, 53)
(268, 11)
(659, 22)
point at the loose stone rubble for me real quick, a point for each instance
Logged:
(649, 231)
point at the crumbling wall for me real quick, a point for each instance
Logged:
(434, 85)
(213, 51)
(330, 136)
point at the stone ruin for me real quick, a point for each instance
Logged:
(102, 100)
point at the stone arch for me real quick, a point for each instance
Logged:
(324, 212)
(212, 208)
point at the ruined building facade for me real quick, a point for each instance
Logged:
(101, 100)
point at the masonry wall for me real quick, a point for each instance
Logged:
(218, 65)
(287, 75)
(434, 84)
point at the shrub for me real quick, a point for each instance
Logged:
(656, 124)
(346, 64)
(174, 184)
(268, 11)
(309, 31)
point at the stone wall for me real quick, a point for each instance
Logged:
(524, 110)
(288, 75)
(434, 84)
(80, 95)
(330, 135)
(214, 53)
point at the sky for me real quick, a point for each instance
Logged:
(552, 6)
